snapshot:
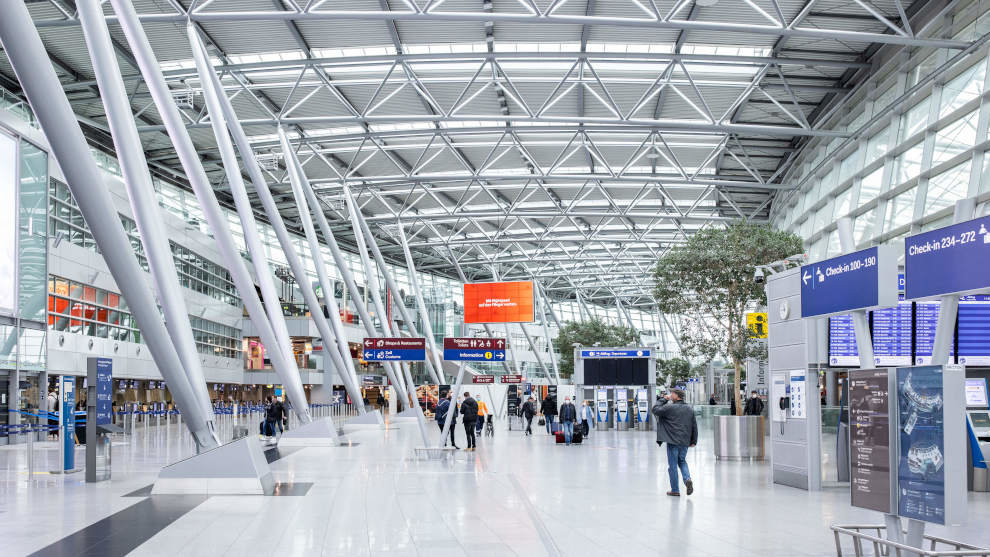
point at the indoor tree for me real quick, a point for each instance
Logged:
(709, 281)
(587, 334)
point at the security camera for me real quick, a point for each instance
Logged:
(758, 277)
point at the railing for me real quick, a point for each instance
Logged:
(885, 547)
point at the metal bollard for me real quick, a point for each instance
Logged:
(30, 453)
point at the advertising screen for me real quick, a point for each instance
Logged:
(842, 341)
(8, 223)
(892, 335)
(498, 302)
(976, 393)
(974, 330)
(921, 466)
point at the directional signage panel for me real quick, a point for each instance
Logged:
(511, 379)
(950, 260)
(609, 353)
(474, 349)
(483, 379)
(869, 439)
(394, 349)
(859, 280)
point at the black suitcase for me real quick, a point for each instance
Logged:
(577, 437)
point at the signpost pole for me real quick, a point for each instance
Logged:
(420, 304)
(861, 323)
(949, 306)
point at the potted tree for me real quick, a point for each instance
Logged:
(587, 333)
(709, 281)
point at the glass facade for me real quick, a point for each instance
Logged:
(82, 309)
(919, 131)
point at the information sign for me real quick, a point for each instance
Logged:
(859, 280)
(511, 379)
(483, 379)
(394, 349)
(974, 330)
(869, 439)
(474, 349)
(799, 402)
(757, 323)
(610, 353)
(104, 390)
(842, 350)
(68, 422)
(921, 455)
(950, 260)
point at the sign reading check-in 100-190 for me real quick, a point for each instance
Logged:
(858, 280)
(394, 349)
(950, 260)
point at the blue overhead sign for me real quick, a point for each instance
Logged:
(950, 260)
(859, 280)
(606, 353)
(469, 349)
(104, 391)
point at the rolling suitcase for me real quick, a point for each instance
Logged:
(559, 437)
(577, 438)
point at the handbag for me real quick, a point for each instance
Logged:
(542, 421)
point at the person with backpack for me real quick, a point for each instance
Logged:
(549, 409)
(568, 415)
(469, 409)
(754, 406)
(443, 408)
(527, 411)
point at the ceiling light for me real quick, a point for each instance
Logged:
(706, 3)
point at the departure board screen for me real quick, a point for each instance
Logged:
(925, 320)
(892, 335)
(974, 330)
(842, 341)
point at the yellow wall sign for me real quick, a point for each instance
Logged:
(757, 322)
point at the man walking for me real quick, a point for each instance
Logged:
(754, 406)
(678, 428)
(549, 409)
(443, 408)
(469, 408)
(587, 418)
(528, 411)
(568, 415)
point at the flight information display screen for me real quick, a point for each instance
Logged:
(892, 335)
(974, 330)
(925, 320)
(842, 341)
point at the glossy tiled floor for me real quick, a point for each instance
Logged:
(514, 496)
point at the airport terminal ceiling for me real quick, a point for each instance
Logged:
(569, 141)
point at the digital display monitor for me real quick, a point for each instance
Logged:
(892, 335)
(976, 393)
(925, 320)
(980, 419)
(974, 330)
(842, 341)
(498, 302)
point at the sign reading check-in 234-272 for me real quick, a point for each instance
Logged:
(394, 349)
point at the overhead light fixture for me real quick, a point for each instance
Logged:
(706, 3)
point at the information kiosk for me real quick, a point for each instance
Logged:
(978, 420)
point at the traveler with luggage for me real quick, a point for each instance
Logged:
(482, 414)
(568, 415)
(443, 408)
(587, 418)
(528, 411)
(549, 409)
(469, 409)
(676, 426)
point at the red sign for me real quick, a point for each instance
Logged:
(483, 379)
(386, 343)
(512, 379)
(498, 302)
(454, 343)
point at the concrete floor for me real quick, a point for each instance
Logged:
(514, 496)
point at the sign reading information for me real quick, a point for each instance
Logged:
(869, 439)
(394, 349)
(474, 349)
(859, 280)
(950, 260)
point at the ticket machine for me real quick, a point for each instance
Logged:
(601, 408)
(978, 421)
(642, 409)
(622, 414)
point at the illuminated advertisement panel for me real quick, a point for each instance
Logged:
(8, 224)
(498, 302)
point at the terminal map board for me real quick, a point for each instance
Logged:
(499, 302)
(921, 457)
(869, 439)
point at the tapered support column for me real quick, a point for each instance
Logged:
(335, 341)
(544, 306)
(420, 304)
(141, 193)
(488, 329)
(189, 158)
(30, 61)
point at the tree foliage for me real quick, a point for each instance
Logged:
(587, 334)
(709, 281)
(678, 369)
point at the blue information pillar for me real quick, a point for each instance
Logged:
(68, 422)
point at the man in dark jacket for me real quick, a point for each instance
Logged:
(568, 415)
(549, 409)
(443, 408)
(469, 408)
(678, 428)
(754, 406)
(528, 411)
